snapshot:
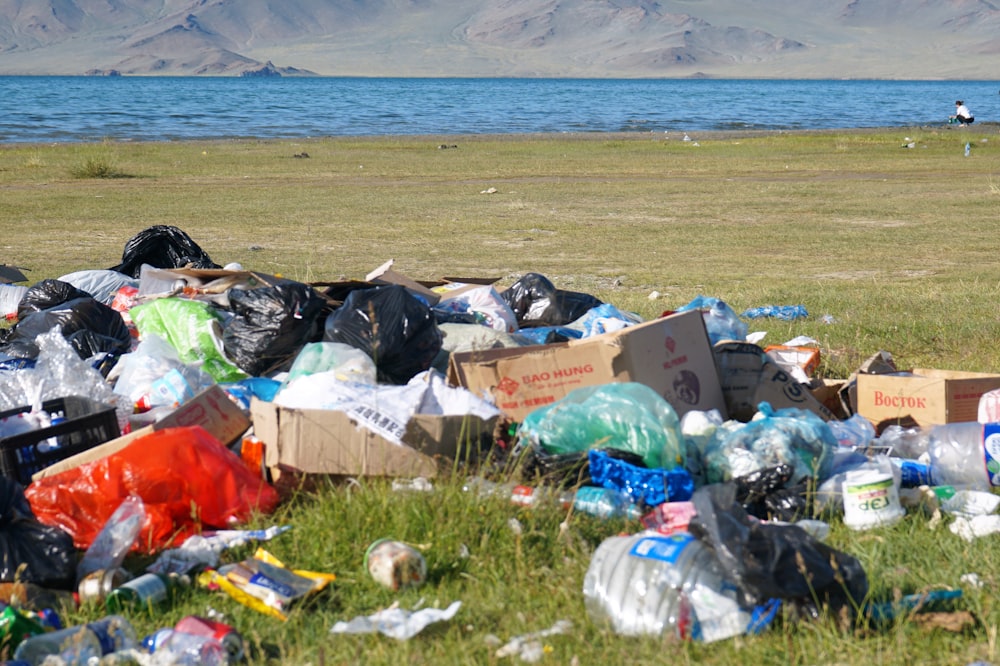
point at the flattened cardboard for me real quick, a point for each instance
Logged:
(326, 441)
(387, 275)
(671, 355)
(211, 409)
(928, 396)
(749, 378)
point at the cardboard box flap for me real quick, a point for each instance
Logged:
(330, 442)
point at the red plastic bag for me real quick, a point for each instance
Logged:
(187, 480)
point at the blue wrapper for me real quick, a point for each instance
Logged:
(640, 484)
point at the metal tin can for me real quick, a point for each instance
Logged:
(97, 585)
(225, 634)
(395, 564)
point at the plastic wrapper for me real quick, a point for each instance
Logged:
(115, 540)
(90, 327)
(790, 436)
(627, 416)
(535, 301)
(396, 329)
(193, 329)
(347, 363)
(265, 584)
(721, 321)
(482, 305)
(162, 246)
(31, 552)
(776, 560)
(103, 285)
(396, 622)
(187, 480)
(270, 325)
(640, 484)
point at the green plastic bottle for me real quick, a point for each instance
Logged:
(146, 591)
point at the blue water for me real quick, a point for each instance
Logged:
(51, 109)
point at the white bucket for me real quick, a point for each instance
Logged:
(871, 499)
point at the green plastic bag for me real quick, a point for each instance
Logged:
(627, 416)
(193, 329)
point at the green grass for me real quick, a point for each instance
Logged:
(899, 246)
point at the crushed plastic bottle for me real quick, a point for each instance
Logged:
(662, 584)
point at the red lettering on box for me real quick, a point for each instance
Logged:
(899, 401)
(671, 363)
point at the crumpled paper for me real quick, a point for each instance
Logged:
(396, 622)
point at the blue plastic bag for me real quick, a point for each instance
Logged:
(721, 321)
(783, 312)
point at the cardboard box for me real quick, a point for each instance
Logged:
(671, 355)
(211, 409)
(927, 396)
(326, 441)
(749, 378)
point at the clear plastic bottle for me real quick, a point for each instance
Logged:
(82, 644)
(965, 455)
(179, 648)
(600, 502)
(662, 584)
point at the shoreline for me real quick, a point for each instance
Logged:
(728, 134)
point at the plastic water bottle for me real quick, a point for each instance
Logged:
(600, 502)
(662, 584)
(83, 644)
(171, 647)
(965, 455)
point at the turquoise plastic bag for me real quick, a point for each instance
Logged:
(627, 416)
(193, 329)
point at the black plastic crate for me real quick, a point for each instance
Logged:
(88, 423)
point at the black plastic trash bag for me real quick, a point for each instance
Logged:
(90, 327)
(47, 294)
(536, 302)
(45, 552)
(162, 246)
(765, 494)
(776, 561)
(270, 325)
(394, 327)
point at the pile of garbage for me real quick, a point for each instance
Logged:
(719, 453)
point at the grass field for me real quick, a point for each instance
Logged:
(898, 245)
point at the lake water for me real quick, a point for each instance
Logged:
(60, 109)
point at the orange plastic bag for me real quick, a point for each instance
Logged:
(187, 480)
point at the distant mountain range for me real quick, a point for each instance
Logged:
(880, 39)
